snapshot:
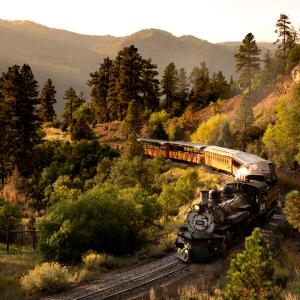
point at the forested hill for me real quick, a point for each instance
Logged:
(68, 58)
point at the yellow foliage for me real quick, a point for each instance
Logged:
(45, 277)
(93, 260)
(208, 131)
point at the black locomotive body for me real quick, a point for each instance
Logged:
(224, 216)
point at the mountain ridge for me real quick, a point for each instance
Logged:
(68, 57)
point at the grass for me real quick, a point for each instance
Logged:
(12, 267)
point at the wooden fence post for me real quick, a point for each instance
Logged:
(34, 238)
(7, 234)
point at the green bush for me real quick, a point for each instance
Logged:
(45, 277)
(176, 194)
(104, 219)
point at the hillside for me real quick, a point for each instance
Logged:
(68, 58)
(263, 102)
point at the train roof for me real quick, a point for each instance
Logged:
(239, 156)
(153, 141)
(177, 143)
(187, 144)
(245, 158)
(221, 150)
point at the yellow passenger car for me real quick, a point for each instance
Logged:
(221, 158)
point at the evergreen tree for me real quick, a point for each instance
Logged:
(251, 272)
(247, 60)
(99, 83)
(73, 102)
(131, 65)
(80, 130)
(132, 121)
(233, 87)
(200, 84)
(220, 88)
(285, 37)
(47, 100)
(182, 92)
(18, 117)
(244, 123)
(225, 138)
(268, 71)
(158, 132)
(150, 86)
(169, 86)
(293, 58)
(292, 209)
(113, 90)
(132, 147)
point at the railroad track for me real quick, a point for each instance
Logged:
(134, 282)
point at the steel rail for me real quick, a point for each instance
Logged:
(103, 290)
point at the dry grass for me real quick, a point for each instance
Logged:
(12, 267)
(55, 134)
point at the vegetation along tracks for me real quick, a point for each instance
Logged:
(135, 282)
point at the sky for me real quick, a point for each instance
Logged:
(212, 20)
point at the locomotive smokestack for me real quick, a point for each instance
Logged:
(204, 197)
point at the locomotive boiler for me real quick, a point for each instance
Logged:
(224, 216)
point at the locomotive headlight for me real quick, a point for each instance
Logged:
(196, 207)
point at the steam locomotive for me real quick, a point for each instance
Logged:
(222, 215)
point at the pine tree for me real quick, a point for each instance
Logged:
(132, 147)
(18, 117)
(99, 83)
(81, 130)
(251, 272)
(113, 90)
(182, 91)
(150, 86)
(225, 138)
(200, 84)
(285, 37)
(129, 82)
(169, 85)
(220, 88)
(247, 60)
(244, 123)
(47, 100)
(158, 132)
(132, 121)
(73, 102)
(292, 208)
(268, 71)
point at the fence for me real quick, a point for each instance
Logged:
(19, 236)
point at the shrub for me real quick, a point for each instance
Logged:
(292, 208)
(45, 277)
(93, 261)
(104, 219)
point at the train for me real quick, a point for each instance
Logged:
(239, 164)
(223, 215)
